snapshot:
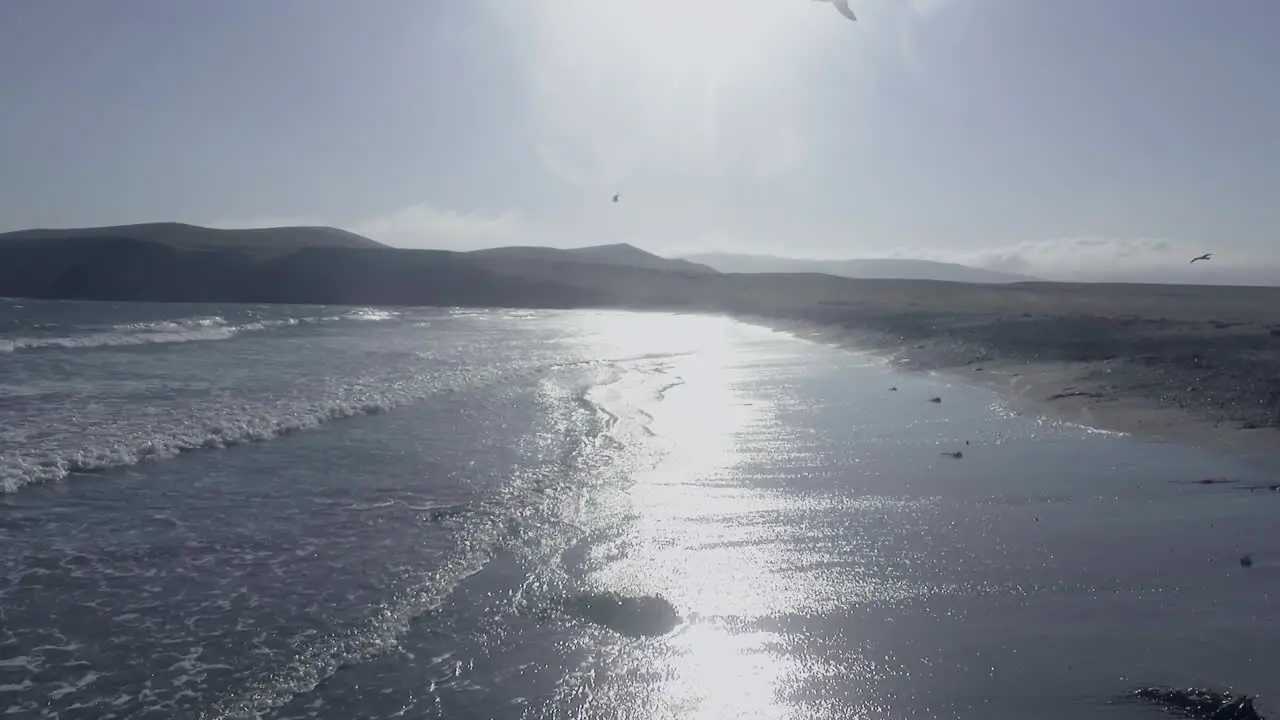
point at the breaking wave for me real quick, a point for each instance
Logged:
(181, 330)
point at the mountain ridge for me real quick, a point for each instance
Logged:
(862, 268)
(197, 237)
(621, 254)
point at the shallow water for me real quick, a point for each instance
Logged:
(335, 512)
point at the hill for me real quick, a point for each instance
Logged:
(621, 254)
(1213, 352)
(194, 237)
(875, 268)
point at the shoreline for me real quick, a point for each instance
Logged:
(1103, 395)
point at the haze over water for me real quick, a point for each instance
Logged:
(307, 512)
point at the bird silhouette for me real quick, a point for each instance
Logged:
(1205, 256)
(615, 197)
(843, 7)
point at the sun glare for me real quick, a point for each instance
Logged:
(711, 85)
(674, 39)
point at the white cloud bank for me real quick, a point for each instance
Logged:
(1112, 259)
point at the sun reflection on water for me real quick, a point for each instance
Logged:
(698, 521)
(692, 534)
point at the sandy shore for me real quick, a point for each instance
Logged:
(1187, 364)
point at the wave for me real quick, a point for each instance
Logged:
(370, 315)
(212, 428)
(181, 330)
(19, 471)
(111, 445)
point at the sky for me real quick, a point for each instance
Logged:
(1056, 138)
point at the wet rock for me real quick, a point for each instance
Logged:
(634, 616)
(1198, 703)
(1073, 393)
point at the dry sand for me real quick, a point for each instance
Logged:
(1187, 364)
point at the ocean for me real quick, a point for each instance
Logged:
(322, 512)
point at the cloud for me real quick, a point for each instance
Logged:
(1082, 255)
(1114, 259)
(425, 226)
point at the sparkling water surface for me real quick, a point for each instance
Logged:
(315, 512)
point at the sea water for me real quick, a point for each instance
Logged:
(320, 512)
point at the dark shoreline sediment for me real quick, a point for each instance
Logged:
(1181, 362)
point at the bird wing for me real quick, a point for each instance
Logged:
(843, 7)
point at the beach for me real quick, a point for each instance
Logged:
(228, 511)
(1186, 364)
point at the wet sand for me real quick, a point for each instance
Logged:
(1187, 364)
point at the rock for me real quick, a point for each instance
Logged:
(1198, 703)
(634, 616)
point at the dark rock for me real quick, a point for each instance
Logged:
(634, 616)
(1073, 393)
(1198, 703)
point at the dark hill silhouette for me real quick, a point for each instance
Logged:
(872, 268)
(194, 237)
(126, 268)
(1213, 350)
(620, 254)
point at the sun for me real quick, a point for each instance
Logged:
(670, 40)
(702, 86)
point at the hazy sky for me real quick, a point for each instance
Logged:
(1009, 133)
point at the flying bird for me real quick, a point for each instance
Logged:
(843, 7)
(1205, 256)
(615, 197)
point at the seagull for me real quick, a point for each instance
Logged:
(1205, 256)
(843, 7)
(615, 197)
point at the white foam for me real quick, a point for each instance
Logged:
(105, 443)
(371, 315)
(226, 430)
(180, 330)
(111, 339)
